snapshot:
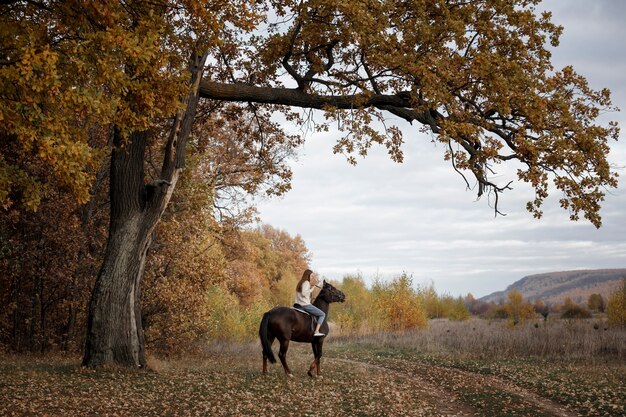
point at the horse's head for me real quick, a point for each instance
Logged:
(331, 294)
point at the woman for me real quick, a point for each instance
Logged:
(303, 297)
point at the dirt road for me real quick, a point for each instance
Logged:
(450, 391)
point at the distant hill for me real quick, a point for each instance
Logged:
(554, 287)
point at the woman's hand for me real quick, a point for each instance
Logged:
(315, 282)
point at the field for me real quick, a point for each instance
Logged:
(461, 369)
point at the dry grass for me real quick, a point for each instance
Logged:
(451, 368)
(373, 376)
(588, 340)
(223, 382)
(568, 362)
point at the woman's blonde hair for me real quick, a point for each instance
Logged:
(306, 276)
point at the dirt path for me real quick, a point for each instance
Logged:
(544, 404)
(449, 389)
(447, 403)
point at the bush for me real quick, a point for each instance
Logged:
(575, 312)
(397, 305)
(229, 320)
(355, 314)
(517, 309)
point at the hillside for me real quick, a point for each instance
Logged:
(554, 287)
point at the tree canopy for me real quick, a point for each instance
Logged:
(66, 66)
(476, 74)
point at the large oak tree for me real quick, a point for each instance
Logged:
(476, 74)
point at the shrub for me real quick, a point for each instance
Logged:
(517, 310)
(354, 315)
(575, 311)
(397, 305)
(596, 303)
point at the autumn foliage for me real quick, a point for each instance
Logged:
(83, 80)
(396, 304)
(209, 273)
(616, 306)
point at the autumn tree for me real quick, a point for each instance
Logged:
(355, 314)
(133, 65)
(470, 302)
(397, 305)
(516, 308)
(595, 302)
(455, 308)
(49, 260)
(476, 75)
(616, 306)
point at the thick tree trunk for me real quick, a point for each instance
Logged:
(114, 328)
(112, 333)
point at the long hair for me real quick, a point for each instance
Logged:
(306, 276)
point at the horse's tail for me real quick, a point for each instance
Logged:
(267, 348)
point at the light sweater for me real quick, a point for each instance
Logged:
(303, 297)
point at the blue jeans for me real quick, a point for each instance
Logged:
(311, 309)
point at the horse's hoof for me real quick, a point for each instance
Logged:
(290, 375)
(310, 374)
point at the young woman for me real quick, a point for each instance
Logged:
(303, 297)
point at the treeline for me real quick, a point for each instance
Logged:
(517, 309)
(392, 305)
(200, 283)
(398, 305)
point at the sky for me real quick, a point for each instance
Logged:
(380, 219)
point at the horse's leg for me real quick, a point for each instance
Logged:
(264, 364)
(271, 340)
(315, 347)
(282, 354)
(318, 358)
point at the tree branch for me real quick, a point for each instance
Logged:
(399, 104)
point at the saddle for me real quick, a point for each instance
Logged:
(299, 308)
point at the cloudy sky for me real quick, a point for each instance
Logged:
(380, 218)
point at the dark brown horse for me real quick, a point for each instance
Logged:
(285, 324)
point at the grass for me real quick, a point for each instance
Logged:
(580, 364)
(217, 384)
(424, 373)
(589, 340)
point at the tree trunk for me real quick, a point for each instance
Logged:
(112, 333)
(114, 328)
